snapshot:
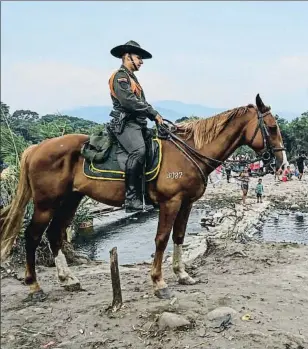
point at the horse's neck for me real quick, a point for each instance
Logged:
(227, 141)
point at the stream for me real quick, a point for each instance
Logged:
(135, 236)
(286, 226)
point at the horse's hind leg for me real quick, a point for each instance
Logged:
(178, 235)
(56, 232)
(33, 235)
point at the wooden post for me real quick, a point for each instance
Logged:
(115, 279)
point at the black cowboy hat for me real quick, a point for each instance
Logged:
(130, 47)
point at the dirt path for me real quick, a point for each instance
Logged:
(267, 281)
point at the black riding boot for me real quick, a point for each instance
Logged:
(133, 184)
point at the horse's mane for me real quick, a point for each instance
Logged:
(204, 131)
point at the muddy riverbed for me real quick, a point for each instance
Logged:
(263, 285)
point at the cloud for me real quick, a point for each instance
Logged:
(48, 86)
(45, 86)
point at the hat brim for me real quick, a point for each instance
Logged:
(119, 51)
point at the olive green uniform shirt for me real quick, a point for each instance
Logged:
(136, 108)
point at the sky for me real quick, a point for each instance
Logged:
(56, 55)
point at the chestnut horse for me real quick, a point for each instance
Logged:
(52, 175)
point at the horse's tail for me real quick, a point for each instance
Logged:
(11, 217)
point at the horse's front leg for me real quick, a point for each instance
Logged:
(167, 214)
(178, 235)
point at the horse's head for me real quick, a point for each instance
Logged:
(263, 135)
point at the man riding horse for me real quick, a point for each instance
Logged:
(130, 113)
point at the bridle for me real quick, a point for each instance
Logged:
(269, 151)
(268, 154)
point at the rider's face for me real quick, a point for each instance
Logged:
(136, 59)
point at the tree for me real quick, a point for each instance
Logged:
(5, 110)
(26, 115)
(244, 150)
(184, 118)
(287, 137)
(187, 118)
(295, 134)
(299, 132)
(20, 122)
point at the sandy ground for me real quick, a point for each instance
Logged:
(266, 285)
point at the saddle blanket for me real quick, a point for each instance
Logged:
(113, 168)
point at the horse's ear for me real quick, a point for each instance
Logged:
(259, 103)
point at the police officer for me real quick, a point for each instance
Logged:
(129, 117)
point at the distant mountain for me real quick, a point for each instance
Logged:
(169, 109)
(185, 109)
(98, 114)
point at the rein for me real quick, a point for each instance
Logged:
(267, 155)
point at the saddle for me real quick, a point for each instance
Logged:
(105, 158)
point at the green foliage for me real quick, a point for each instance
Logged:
(83, 213)
(12, 146)
(24, 127)
(244, 150)
(187, 118)
(34, 129)
(5, 110)
(294, 134)
(26, 115)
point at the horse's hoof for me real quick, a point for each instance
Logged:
(38, 296)
(163, 293)
(187, 281)
(71, 285)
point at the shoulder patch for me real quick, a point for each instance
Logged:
(122, 80)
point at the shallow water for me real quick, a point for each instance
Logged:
(134, 237)
(286, 226)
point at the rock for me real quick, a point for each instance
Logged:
(201, 333)
(172, 321)
(221, 316)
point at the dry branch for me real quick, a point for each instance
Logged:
(115, 279)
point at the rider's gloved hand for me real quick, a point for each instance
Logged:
(159, 119)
